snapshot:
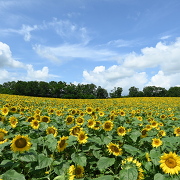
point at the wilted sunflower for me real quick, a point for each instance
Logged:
(156, 142)
(74, 131)
(35, 124)
(121, 131)
(91, 123)
(62, 143)
(108, 125)
(13, 121)
(170, 163)
(79, 120)
(177, 131)
(75, 172)
(114, 149)
(20, 143)
(69, 119)
(45, 119)
(52, 130)
(2, 134)
(82, 137)
(5, 111)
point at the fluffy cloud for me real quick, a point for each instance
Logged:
(7, 62)
(131, 72)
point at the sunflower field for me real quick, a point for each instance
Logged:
(100, 139)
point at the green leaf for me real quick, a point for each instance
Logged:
(148, 165)
(12, 175)
(96, 140)
(43, 161)
(62, 177)
(105, 162)
(155, 156)
(107, 139)
(6, 163)
(105, 177)
(130, 149)
(51, 142)
(71, 140)
(129, 174)
(28, 157)
(96, 154)
(79, 159)
(159, 176)
(134, 135)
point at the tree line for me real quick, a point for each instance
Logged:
(80, 91)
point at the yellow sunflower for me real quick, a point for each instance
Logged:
(29, 119)
(163, 116)
(82, 137)
(97, 125)
(79, 120)
(89, 110)
(52, 130)
(62, 143)
(13, 121)
(121, 131)
(69, 119)
(170, 163)
(91, 123)
(114, 149)
(101, 113)
(35, 124)
(2, 134)
(5, 111)
(74, 131)
(108, 125)
(162, 133)
(144, 132)
(45, 119)
(156, 142)
(76, 172)
(20, 143)
(122, 113)
(177, 131)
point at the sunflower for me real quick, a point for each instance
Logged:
(13, 121)
(58, 112)
(5, 111)
(76, 172)
(156, 142)
(101, 113)
(29, 119)
(139, 118)
(37, 111)
(163, 116)
(170, 163)
(108, 125)
(79, 120)
(144, 132)
(154, 124)
(62, 143)
(82, 137)
(45, 119)
(13, 109)
(122, 113)
(89, 110)
(97, 125)
(2, 134)
(74, 131)
(2, 118)
(121, 131)
(69, 120)
(162, 133)
(37, 117)
(91, 123)
(35, 124)
(177, 131)
(20, 143)
(114, 149)
(52, 130)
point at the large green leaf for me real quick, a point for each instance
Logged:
(51, 142)
(105, 162)
(43, 161)
(155, 156)
(130, 149)
(159, 176)
(12, 175)
(134, 135)
(79, 159)
(129, 174)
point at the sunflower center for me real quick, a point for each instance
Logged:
(156, 142)
(45, 119)
(144, 132)
(36, 123)
(1, 136)
(121, 130)
(82, 137)
(107, 125)
(62, 143)
(78, 171)
(114, 149)
(51, 131)
(21, 143)
(75, 131)
(171, 163)
(69, 119)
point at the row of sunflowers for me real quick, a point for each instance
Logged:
(101, 139)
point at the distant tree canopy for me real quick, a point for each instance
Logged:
(80, 91)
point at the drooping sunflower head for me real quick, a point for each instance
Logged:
(170, 163)
(108, 125)
(69, 119)
(62, 143)
(35, 124)
(121, 131)
(82, 137)
(114, 149)
(156, 142)
(3, 133)
(20, 143)
(177, 131)
(52, 130)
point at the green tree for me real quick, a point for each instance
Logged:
(174, 92)
(116, 92)
(101, 93)
(133, 92)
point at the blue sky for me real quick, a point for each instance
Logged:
(111, 43)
